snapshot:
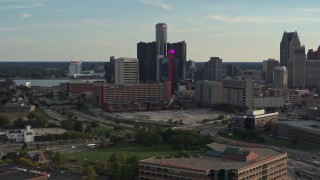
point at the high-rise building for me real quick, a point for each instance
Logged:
(280, 77)
(296, 69)
(126, 70)
(313, 54)
(180, 55)
(312, 73)
(214, 69)
(75, 68)
(290, 41)
(161, 46)
(268, 66)
(146, 54)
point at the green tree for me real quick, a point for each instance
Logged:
(24, 146)
(157, 139)
(31, 115)
(78, 126)
(67, 124)
(57, 159)
(19, 123)
(94, 124)
(4, 120)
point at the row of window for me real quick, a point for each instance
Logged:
(261, 166)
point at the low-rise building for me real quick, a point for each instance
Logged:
(268, 102)
(221, 162)
(26, 135)
(253, 120)
(306, 131)
(208, 92)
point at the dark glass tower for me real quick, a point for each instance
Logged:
(290, 41)
(146, 54)
(180, 55)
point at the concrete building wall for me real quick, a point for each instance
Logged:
(269, 65)
(238, 92)
(126, 71)
(267, 102)
(208, 92)
(299, 68)
(214, 69)
(280, 77)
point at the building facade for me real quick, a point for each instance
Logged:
(180, 55)
(108, 94)
(221, 162)
(238, 92)
(268, 102)
(126, 70)
(208, 93)
(146, 54)
(280, 77)
(290, 41)
(268, 66)
(214, 69)
(75, 68)
(313, 54)
(254, 120)
(296, 69)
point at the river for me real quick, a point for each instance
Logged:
(51, 82)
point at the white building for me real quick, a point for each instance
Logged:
(26, 135)
(126, 70)
(75, 68)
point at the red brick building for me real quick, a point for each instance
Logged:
(221, 162)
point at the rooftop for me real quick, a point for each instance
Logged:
(206, 163)
(307, 125)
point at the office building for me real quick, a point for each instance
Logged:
(190, 70)
(313, 54)
(296, 69)
(214, 69)
(208, 93)
(290, 41)
(312, 73)
(75, 68)
(126, 70)
(268, 66)
(161, 46)
(280, 77)
(256, 75)
(268, 102)
(238, 92)
(180, 55)
(146, 54)
(220, 162)
(254, 120)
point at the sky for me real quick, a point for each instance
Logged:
(94, 30)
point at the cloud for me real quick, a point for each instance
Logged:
(25, 15)
(22, 6)
(7, 29)
(17, 42)
(240, 19)
(158, 3)
(260, 19)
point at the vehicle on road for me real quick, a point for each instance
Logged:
(91, 145)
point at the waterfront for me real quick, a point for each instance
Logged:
(50, 82)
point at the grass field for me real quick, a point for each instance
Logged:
(14, 115)
(103, 154)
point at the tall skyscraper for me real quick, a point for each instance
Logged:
(280, 77)
(146, 54)
(296, 69)
(290, 41)
(75, 67)
(268, 66)
(161, 39)
(180, 55)
(161, 46)
(214, 69)
(126, 70)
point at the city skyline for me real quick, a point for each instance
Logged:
(44, 30)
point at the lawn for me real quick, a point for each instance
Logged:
(14, 115)
(103, 154)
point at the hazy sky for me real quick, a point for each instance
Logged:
(235, 30)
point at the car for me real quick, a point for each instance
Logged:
(73, 147)
(298, 159)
